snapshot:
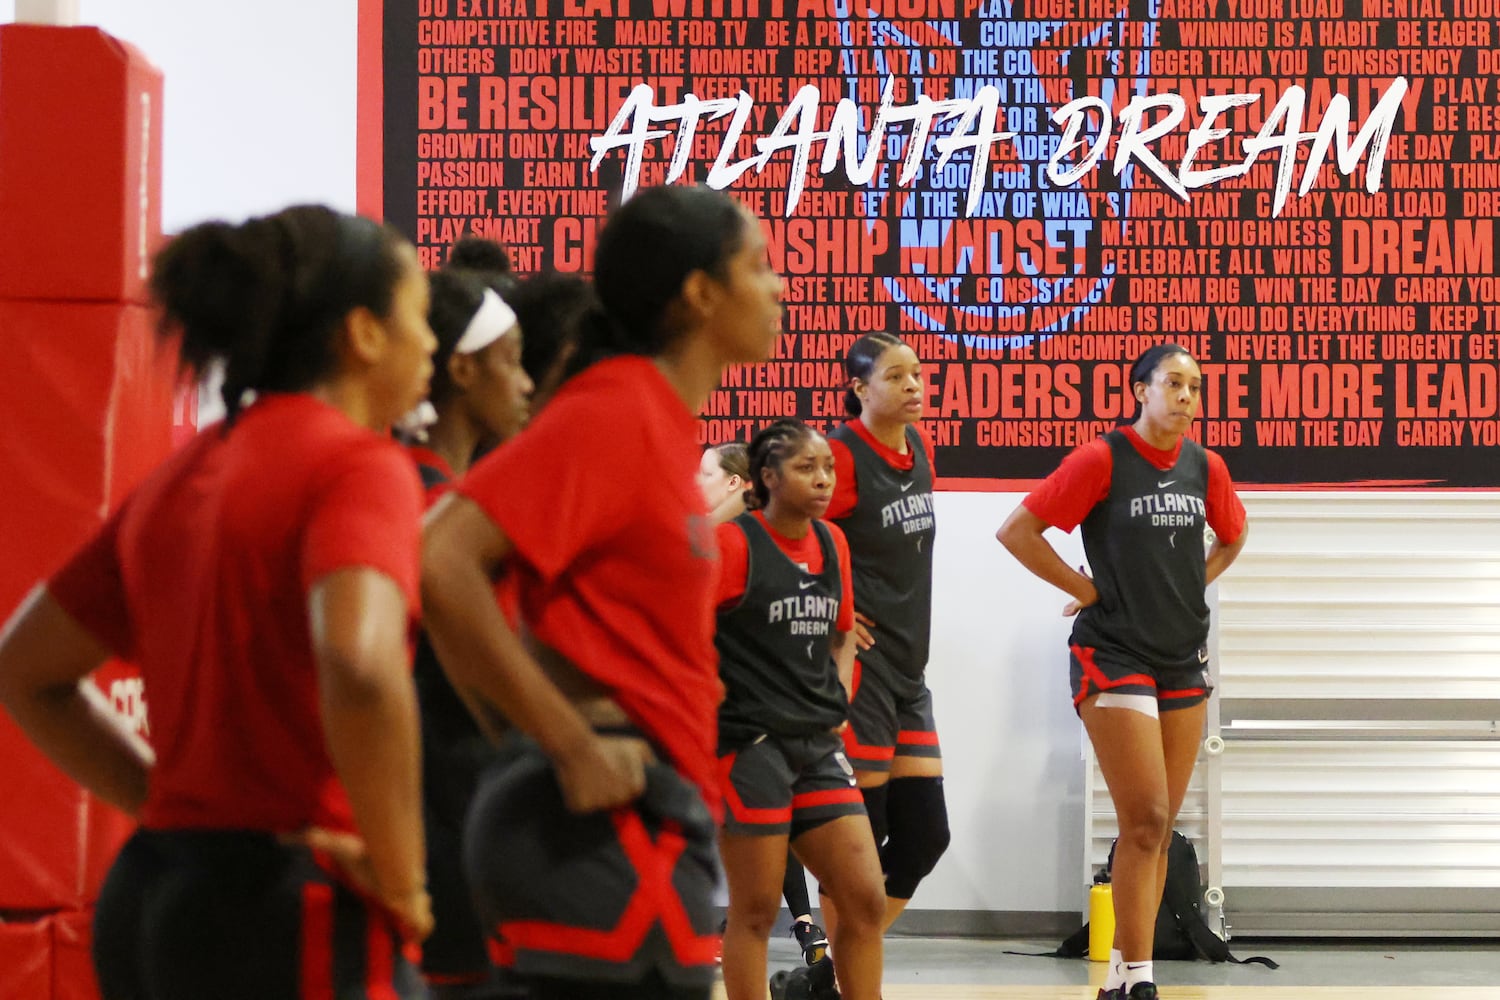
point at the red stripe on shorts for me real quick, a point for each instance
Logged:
(856, 750)
(917, 737)
(380, 958)
(316, 979)
(502, 953)
(1091, 672)
(827, 797)
(737, 807)
(655, 899)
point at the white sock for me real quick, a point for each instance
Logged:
(1116, 977)
(1137, 972)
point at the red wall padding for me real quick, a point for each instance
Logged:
(80, 165)
(86, 409)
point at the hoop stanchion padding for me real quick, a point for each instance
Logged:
(80, 165)
(86, 396)
(86, 399)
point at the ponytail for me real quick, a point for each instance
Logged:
(552, 309)
(477, 253)
(265, 298)
(599, 337)
(646, 251)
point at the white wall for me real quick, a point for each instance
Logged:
(1012, 743)
(260, 112)
(260, 100)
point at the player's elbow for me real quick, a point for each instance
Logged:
(1013, 533)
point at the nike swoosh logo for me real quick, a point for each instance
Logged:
(804, 584)
(1202, 656)
(1162, 486)
(906, 486)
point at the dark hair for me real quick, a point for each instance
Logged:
(768, 450)
(476, 253)
(552, 309)
(265, 297)
(1145, 366)
(734, 459)
(646, 250)
(859, 363)
(456, 297)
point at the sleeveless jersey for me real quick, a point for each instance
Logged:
(1144, 543)
(890, 533)
(446, 721)
(774, 658)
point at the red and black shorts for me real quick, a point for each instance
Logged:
(787, 785)
(1092, 671)
(235, 915)
(607, 897)
(889, 716)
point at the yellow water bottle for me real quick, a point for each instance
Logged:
(1101, 921)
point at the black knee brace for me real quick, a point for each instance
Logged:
(917, 818)
(875, 805)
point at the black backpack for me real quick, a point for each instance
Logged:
(1181, 931)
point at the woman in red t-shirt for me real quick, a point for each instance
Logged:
(619, 666)
(1144, 495)
(786, 655)
(264, 579)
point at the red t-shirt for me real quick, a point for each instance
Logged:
(845, 489)
(734, 563)
(1082, 480)
(202, 578)
(614, 551)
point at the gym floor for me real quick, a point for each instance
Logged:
(980, 969)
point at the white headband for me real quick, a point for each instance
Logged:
(491, 321)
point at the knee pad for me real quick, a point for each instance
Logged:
(917, 820)
(876, 797)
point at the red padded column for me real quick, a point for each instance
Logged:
(86, 408)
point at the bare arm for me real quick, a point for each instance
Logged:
(1221, 556)
(482, 655)
(1021, 534)
(45, 660)
(369, 710)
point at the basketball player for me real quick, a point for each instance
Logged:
(1139, 660)
(264, 579)
(591, 852)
